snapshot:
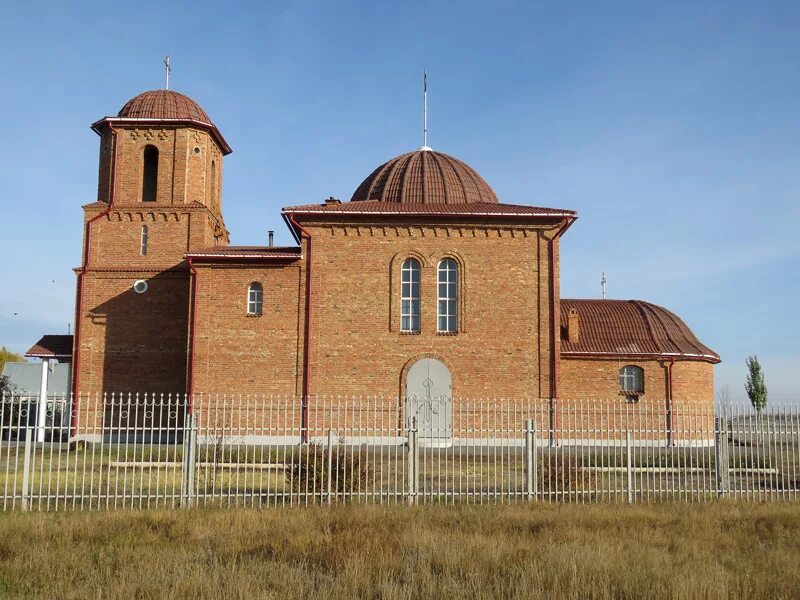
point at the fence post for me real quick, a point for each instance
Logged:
(189, 459)
(329, 473)
(412, 460)
(721, 455)
(530, 458)
(629, 465)
(26, 468)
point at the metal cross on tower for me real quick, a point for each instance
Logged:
(167, 69)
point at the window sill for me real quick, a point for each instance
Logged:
(253, 315)
(632, 397)
(447, 333)
(410, 332)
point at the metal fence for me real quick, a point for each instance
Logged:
(146, 451)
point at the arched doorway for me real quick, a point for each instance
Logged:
(429, 398)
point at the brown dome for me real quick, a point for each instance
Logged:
(163, 104)
(425, 177)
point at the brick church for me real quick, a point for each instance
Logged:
(423, 278)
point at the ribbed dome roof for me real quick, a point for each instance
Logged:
(163, 104)
(425, 177)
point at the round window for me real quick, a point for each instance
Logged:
(140, 286)
(197, 149)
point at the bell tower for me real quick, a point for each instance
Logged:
(159, 196)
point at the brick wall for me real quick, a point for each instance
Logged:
(236, 353)
(502, 347)
(133, 342)
(185, 160)
(598, 379)
(503, 344)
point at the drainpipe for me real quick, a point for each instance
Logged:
(307, 341)
(84, 267)
(554, 327)
(670, 412)
(190, 377)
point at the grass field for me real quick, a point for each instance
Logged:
(716, 550)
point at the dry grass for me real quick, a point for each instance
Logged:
(717, 550)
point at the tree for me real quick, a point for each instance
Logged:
(7, 356)
(755, 386)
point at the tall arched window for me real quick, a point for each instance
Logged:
(448, 296)
(409, 296)
(150, 174)
(213, 194)
(255, 299)
(144, 240)
(631, 382)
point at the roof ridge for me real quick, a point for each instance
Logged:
(672, 317)
(406, 172)
(438, 163)
(639, 306)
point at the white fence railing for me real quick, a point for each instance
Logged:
(113, 451)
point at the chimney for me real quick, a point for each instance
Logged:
(271, 235)
(573, 327)
(332, 200)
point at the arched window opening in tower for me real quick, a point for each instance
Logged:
(213, 191)
(255, 299)
(150, 174)
(409, 296)
(145, 234)
(448, 296)
(631, 382)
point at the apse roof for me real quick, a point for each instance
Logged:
(629, 328)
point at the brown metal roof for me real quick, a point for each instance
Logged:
(425, 177)
(378, 207)
(163, 108)
(630, 328)
(247, 252)
(163, 104)
(52, 346)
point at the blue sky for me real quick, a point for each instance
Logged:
(672, 128)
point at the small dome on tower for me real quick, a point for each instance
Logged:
(425, 177)
(163, 104)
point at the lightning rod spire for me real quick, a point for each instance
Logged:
(425, 111)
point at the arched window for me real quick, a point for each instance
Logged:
(409, 296)
(144, 240)
(448, 296)
(150, 174)
(255, 299)
(631, 382)
(213, 194)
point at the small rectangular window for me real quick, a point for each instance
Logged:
(144, 240)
